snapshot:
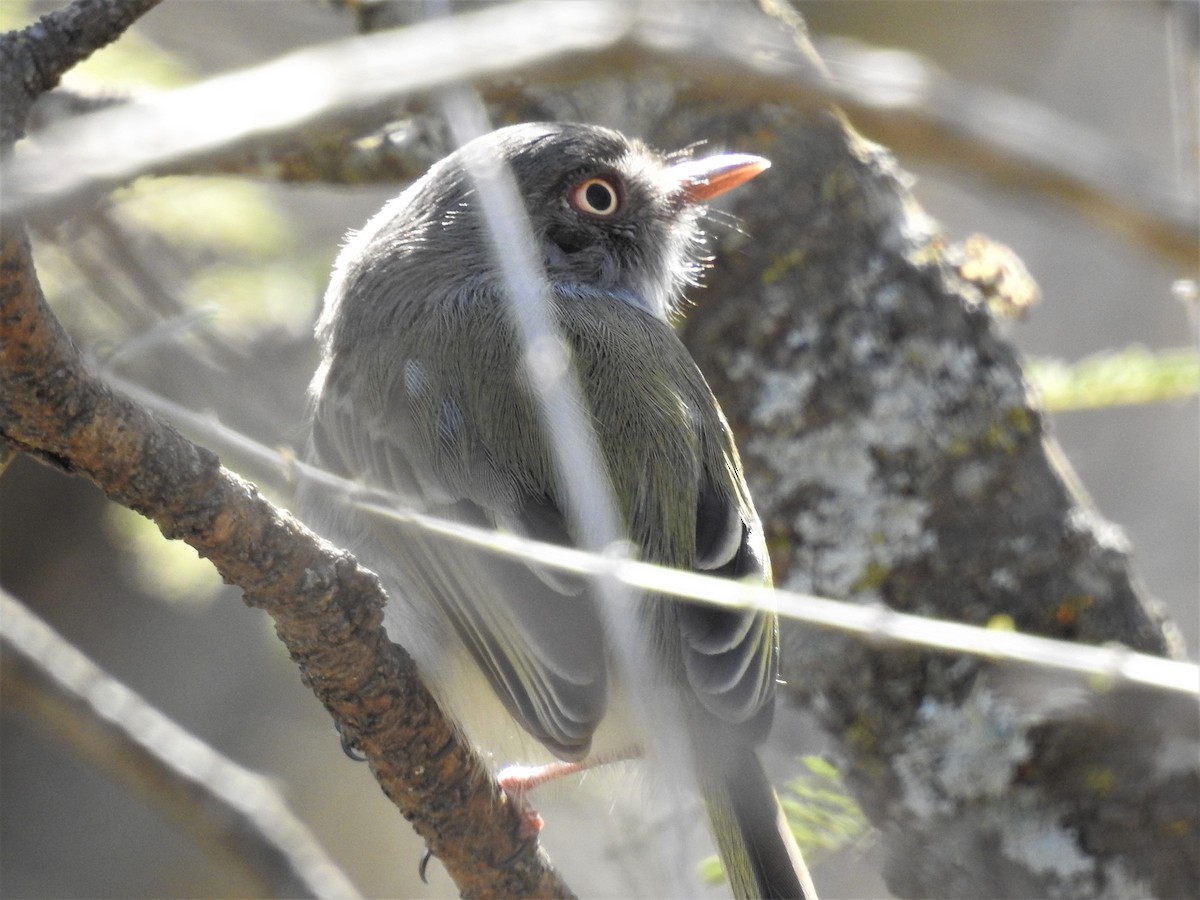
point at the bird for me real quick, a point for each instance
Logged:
(421, 393)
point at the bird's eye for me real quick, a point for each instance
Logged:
(596, 197)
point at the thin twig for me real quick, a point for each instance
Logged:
(238, 123)
(1113, 665)
(209, 795)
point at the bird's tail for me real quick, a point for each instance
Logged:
(756, 846)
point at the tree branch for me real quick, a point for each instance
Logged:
(33, 59)
(364, 81)
(233, 812)
(326, 609)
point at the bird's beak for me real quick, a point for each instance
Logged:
(699, 180)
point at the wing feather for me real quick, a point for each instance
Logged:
(536, 638)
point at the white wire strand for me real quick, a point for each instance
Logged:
(587, 493)
(1112, 664)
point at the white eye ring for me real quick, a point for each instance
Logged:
(596, 197)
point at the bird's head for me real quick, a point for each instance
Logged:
(610, 214)
(607, 214)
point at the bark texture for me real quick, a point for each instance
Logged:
(898, 458)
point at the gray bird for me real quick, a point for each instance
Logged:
(422, 393)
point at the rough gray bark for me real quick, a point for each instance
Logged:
(898, 459)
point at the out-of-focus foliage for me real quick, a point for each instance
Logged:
(823, 816)
(198, 263)
(1120, 378)
(226, 214)
(128, 64)
(217, 245)
(210, 243)
(169, 570)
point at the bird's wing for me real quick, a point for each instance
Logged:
(730, 654)
(673, 461)
(537, 638)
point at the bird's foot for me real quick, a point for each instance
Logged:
(517, 782)
(521, 780)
